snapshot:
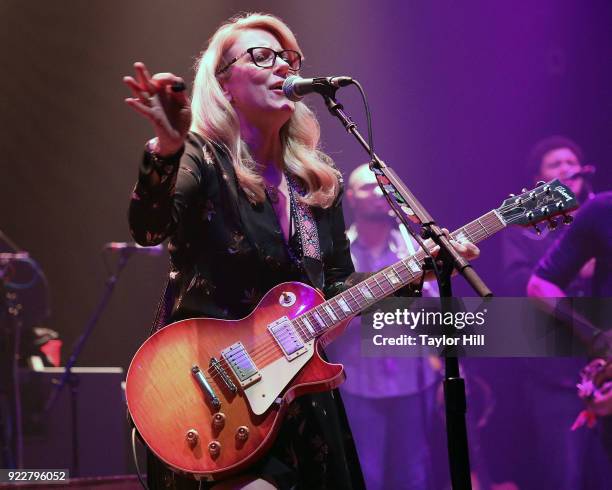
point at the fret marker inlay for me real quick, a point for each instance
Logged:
(308, 325)
(330, 312)
(391, 275)
(461, 238)
(413, 266)
(365, 291)
(319, 319)
(344, 305)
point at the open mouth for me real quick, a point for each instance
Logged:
(277, 86)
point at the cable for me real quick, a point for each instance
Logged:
(135, 456)
(368, 118)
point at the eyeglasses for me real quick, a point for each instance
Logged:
(266, 58)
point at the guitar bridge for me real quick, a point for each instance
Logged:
(241, 364)
(218, 369)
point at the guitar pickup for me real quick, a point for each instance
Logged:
(205, 386)
(241, 364)
(287, 338)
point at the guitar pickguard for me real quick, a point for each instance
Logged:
(274, 379)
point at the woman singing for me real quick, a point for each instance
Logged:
(235, 179)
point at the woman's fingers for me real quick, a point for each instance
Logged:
(459, 247)
(162, 99)
(165, 79)
(171, 86)
(137, 91)
(139, 106)
(473, 250)
(144, 78)
(466, 249)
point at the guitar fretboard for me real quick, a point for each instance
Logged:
(355, 299)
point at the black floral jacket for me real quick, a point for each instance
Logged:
(226, 252)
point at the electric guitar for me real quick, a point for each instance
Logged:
(208, 396)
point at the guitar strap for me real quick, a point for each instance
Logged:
(164, 307)
(305, 222)
(306, 227)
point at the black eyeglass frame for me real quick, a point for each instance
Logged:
(277, 54)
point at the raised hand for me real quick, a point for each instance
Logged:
(162, 100)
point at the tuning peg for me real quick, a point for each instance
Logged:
(540, 183)
(511, 195)
(567, 219)
(530, 215)
(547, 189)
(560, 206)
(544, 210)
(537, 229)
(552, 224)
(524, 189)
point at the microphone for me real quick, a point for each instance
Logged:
(295, 88)
(585, 171)
(132, 247)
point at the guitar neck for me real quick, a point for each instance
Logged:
(355, 299)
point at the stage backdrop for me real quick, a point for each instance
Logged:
(458, 91)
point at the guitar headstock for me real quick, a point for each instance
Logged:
(544, 202)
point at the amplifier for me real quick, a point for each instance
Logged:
(102, 426)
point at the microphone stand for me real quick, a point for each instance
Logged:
(407, 203)
(12, 447)
(71, 379)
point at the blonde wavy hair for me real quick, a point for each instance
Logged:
(215, 119)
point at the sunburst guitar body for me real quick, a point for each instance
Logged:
(207, 396)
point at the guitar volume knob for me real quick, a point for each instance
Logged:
(214, 449)
(192, 437)
(218, 421)
(242, 433)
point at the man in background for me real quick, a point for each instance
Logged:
(537, 399)
(556, 157)
(588, 239)
(390, 402)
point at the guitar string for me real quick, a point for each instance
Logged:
(262, 352)
(475, 236)
(487, 218)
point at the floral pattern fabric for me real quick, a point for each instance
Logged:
(226, 253)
